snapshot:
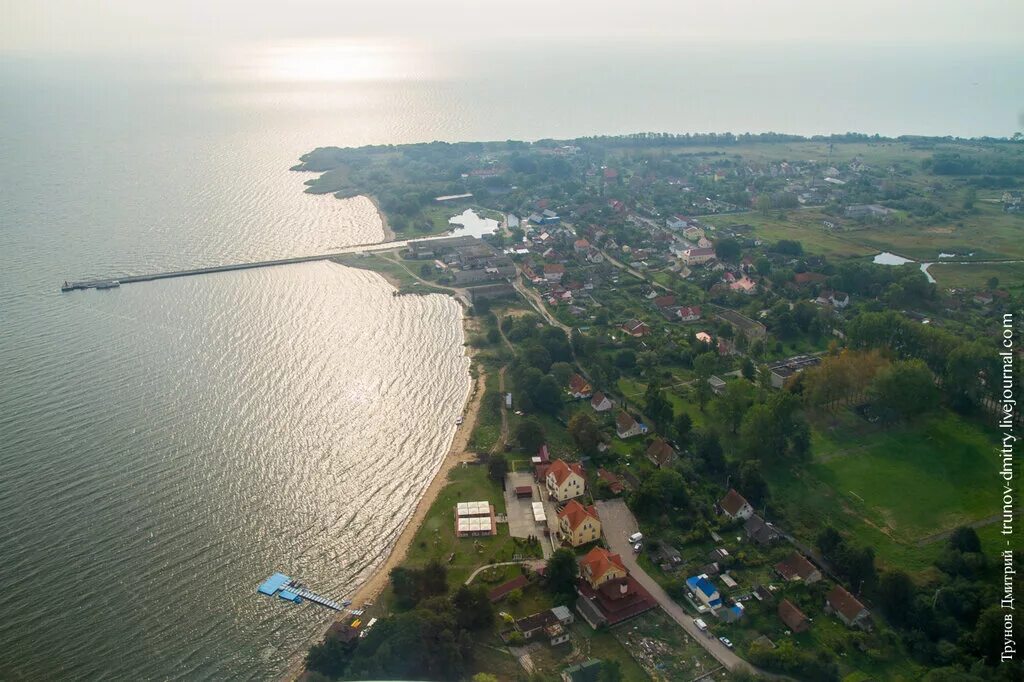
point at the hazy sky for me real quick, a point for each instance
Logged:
(55, 26)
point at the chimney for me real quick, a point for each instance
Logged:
(623, 588)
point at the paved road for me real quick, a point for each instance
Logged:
(618, 524)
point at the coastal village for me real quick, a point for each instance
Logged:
(724, 395)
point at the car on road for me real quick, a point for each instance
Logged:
(725, 641)
(458, 421)
(701, 625)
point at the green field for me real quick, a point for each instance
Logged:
(971, 276)
(892, 488)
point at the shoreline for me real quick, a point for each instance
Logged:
(389, 234)
(457, 454)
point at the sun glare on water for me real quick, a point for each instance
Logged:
(333, 62)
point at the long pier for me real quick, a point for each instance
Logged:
(113, 282)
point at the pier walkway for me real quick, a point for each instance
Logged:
(111, 282)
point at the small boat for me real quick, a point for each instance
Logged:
(346, 602)
(67, 287)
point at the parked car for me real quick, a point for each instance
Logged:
(635, 538)
(637, 547)
(725, 641)
(701, 625)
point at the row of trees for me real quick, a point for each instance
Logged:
(431, 637)
(966, 369)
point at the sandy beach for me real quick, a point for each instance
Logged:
(389, 234)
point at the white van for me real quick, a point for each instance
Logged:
(635, 538)
(701, 625)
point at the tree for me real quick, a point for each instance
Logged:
(660, 491)
(727, 249)
(529, 435)
(904, 390)
(733, 403)
(709, 452)
(763, 266)
(828, 540)
(561, 574)
(965, 539)
(747, 368)
(547, 395)
(497, 467)
(752, 483)
(681, 427)
(473, 610)
(562, 372)
(764, 204)
(993, 282)
(657, 407)
(896, 596)
(585, 433)
(625, 359)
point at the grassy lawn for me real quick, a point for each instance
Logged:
(971, 276)
(436, 536)
(803, 225)
(890, 488)
(396, 273)
(487, 431)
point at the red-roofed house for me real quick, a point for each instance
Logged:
(500, 591)
(660, 453)
(564, 480)
(600, 402)
(689, 313)
(847, 608)
(579, 525)
(636, 328)
(599, 566)
(627, 427)
(735, 506)
(614, 484)
(797, 567)
(581, 246)
(664, 301)
(608, 594)
(553, 272)
(793, 617)
(744, 285)
(579, 387)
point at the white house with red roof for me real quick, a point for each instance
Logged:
(627, 427)
(600, 402)
(579, 387)
(688, 313)
(735, 506)
(565, 480)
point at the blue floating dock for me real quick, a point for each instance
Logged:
(271, 585)
(290, 596)
(291, 590)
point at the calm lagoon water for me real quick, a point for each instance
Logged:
(165, 446)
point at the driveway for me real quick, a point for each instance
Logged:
(618, 524)
(520, 511)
